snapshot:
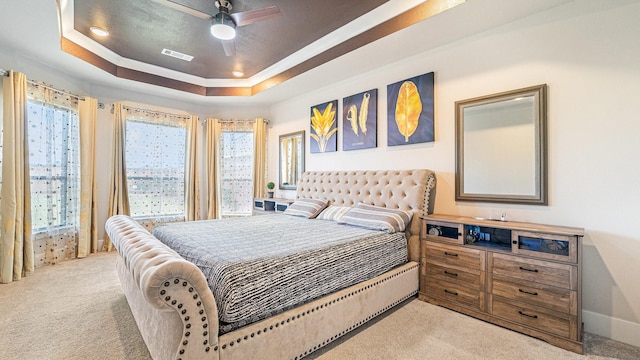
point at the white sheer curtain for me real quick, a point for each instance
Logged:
(54, 163)
(236, 167)
(155, 145)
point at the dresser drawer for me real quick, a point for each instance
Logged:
(549, 297)
(471, 278)
(456, 256)
(456, 293)
(553, 322)
(542, 272)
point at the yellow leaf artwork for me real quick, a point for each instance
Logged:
(321, 124)
(408, 109)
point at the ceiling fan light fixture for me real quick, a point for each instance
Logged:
(223, 28)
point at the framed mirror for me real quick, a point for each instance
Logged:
(291, 161)
(501, 147)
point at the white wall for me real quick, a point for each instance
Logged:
(588, 54)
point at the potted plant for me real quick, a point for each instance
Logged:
(270, 185)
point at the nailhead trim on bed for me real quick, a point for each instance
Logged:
(322, 306)
(178, 305)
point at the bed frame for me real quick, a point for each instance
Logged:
(176, 312)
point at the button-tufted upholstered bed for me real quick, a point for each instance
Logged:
(176, 311)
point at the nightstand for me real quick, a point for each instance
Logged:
(270, 205)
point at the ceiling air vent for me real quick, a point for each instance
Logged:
(176, 54)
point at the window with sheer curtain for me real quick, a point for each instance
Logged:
(54, 164)
(53, 136)
(236, 155)
(155, 163)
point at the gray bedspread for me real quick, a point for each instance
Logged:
(261, 265)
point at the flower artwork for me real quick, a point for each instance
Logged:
(324, 127)
(410, 111)
(360, 120)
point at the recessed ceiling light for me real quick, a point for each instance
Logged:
(99, 31)
(237, 73)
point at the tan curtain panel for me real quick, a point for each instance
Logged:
(213, 128)
(16, 242)
(118, 196)
(88, 234)
(260, 157)
(191, 176)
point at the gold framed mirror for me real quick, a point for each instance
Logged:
(501, 147)
(291, 162)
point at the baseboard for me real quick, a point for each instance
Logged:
(613, 328)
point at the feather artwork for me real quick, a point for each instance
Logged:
(364, 112)
(408, 109)
(359, 120)
(352, 115)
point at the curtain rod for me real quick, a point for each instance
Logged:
(153, 112)
(35, 83)
(239, 120)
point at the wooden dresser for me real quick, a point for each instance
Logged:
(522, 276)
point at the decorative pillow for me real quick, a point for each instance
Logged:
(377, 218)
(333, 212)
(308, 208)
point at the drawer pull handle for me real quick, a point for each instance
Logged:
(450, 254)
(450, 273)
(528, 292)
(530, 270)
(527, 315)
(451, 292)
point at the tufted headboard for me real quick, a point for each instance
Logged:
(412, 190)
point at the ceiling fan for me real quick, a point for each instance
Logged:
(224, 23)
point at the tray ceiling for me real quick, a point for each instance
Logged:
(306, 35)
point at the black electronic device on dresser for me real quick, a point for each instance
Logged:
(523, 276)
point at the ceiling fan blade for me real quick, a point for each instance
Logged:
(229, 47)
(252, 16)
(183, 8)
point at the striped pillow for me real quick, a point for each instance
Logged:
(377, 218)
(333, 212)
(308, 208)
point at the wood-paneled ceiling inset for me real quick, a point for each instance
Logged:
(140, 30)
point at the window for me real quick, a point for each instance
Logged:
(236, 154)
(155, 162)
(54, 164)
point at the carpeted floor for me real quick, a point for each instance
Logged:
(76, 310)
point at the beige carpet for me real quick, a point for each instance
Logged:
(76, 310)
